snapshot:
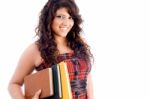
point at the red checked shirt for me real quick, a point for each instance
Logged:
(78, 70)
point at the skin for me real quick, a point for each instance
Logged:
(30, 58)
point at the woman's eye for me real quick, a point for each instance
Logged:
(59, 16)
(64, 17)
(70, 18)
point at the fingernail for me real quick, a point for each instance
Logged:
(39, 90)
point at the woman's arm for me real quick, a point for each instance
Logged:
(25, 66)
(15, 91)
(90, 87)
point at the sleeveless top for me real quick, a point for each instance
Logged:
(78, 70)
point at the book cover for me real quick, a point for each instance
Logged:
(40, 80)
(65, 81)
(54, 82)
(57, 83)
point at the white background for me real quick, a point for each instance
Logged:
(118, 32)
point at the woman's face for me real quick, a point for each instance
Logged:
(62, 23)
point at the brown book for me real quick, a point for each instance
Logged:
(40, 80)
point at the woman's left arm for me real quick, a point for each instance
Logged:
(90, 87)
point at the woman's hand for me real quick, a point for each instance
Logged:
(37, 95)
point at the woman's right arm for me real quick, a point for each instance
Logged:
(24, 67)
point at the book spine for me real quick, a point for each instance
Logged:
(51, 87)
(56, 80)
(59, 82)
(65, 81)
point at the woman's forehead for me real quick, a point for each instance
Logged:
(62, 10)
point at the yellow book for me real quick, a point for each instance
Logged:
(65, 81)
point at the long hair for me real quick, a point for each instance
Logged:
(46, 43)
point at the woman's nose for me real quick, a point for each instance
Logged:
(65, 22)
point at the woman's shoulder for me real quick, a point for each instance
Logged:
(32, 53)
(32, 48)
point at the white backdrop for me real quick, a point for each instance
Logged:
(118, 32)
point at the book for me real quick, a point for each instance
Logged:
(56, 83)
(65, 81)
(62, 88)
(40, 80)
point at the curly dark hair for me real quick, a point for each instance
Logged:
(46, 42)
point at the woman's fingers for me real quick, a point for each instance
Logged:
(37, 94)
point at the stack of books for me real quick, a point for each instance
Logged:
(54, 83)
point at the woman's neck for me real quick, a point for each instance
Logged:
(61, 41)
(62, 45)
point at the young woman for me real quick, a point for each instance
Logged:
(59, 40)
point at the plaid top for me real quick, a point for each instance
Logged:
(78, 70)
